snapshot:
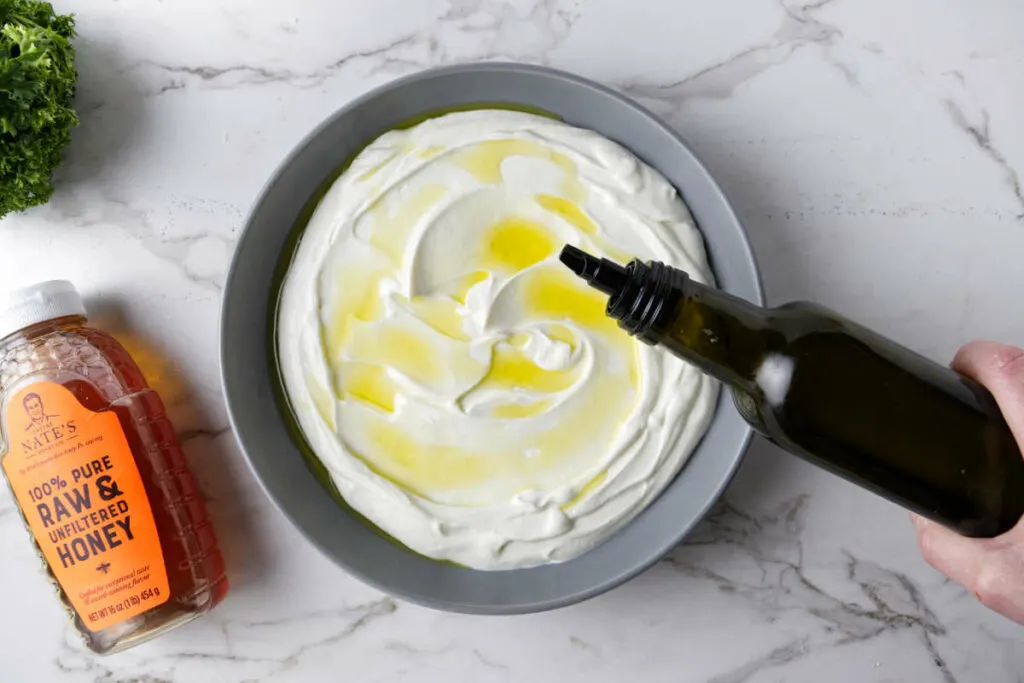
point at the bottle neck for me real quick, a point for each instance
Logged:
(721, 334)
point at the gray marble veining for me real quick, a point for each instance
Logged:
(872, 148)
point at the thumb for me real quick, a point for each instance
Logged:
(989, 568)
(958, 557)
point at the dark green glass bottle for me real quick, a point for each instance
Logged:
(833, 392)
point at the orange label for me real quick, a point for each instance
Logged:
(76, 481)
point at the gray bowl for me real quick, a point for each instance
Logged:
(251, 385)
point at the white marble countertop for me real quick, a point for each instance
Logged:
(873, 149)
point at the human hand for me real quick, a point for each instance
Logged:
(990, 568)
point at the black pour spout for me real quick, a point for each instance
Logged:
(640, 295)
(600, 273)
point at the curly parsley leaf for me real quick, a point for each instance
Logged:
(37, 89)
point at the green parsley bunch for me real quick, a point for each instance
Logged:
(37, 88)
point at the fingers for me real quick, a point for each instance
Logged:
(1000, 368)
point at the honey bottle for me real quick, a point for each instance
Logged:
(98, 475)
(833, 392)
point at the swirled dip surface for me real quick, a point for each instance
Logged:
(465, 391)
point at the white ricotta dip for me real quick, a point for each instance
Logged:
(465, 391)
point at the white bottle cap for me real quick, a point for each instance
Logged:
(36, 303)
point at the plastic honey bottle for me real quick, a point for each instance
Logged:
(99, 477)
(839, 395)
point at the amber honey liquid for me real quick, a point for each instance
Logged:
(103, 378)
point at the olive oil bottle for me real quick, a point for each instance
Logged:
(833, 392)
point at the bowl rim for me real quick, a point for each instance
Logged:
(233, 405)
